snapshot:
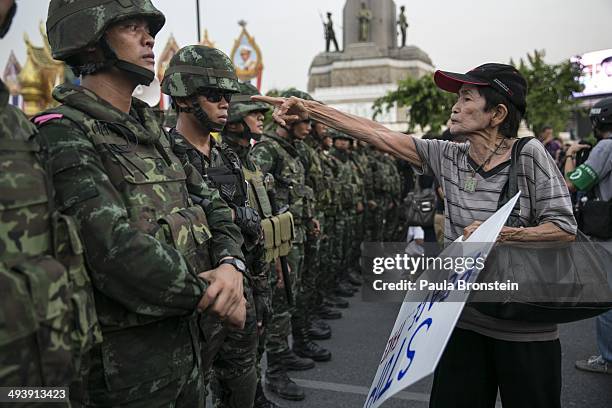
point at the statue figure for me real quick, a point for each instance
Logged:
(402, 22)
(330, 35)
(364, 17)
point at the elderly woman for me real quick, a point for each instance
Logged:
(484, 354)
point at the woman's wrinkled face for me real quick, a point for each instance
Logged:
(468, 113)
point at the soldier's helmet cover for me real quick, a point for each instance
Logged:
(195, 70)
(297, 93)
(73, 26)
(242, 104)
(196, 66)
(336, 134)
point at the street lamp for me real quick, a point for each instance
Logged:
(198, 20)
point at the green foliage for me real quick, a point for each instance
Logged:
(549, 100)
(550, 87)
(428, 106)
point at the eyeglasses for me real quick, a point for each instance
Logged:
(215, 95)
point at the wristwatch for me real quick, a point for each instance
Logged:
(236, 263)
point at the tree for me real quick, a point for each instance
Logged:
(549, 98)
(428, 106)
(550, 87)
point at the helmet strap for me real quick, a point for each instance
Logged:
(143, 76)
(8, 20)
(203, 118)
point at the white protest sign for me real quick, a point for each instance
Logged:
(426, 319)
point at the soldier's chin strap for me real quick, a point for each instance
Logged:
(143, 76)
(200, 115)
(8, 20)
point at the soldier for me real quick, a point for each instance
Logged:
(327, 205)
(357, 230)
(149, 249)
(344, 220)
(402, 22)
(46, 293)
(277, 154)
(201, 82)
(245, 122)
(315, 179)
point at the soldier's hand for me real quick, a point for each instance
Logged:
(286, 110)
(315, 227)
(360, 207)
(225, 294)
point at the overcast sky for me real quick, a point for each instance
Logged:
(457, 35)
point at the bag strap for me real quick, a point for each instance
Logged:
(511, 187)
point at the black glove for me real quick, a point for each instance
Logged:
(263, 308)
(249, 222)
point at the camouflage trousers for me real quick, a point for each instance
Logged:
(279, 327)
(374, 223)
(307, 296)
(356, 238)
(392, 217)
(327, 276)
(229, 360)
(186, 391)
(339, 246)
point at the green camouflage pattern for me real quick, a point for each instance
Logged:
(73, 25)
(230, 352)
(217, 72)
(241, 104)
(297, 93)
(279, 157)
(144, 241)
(47, 315)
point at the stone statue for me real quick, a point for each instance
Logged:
(330, 34)
(364, 17)
(402, 22)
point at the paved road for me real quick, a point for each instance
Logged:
(357, 343)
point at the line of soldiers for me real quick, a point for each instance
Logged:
(142, 266)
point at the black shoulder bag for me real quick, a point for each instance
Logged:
(558, 282)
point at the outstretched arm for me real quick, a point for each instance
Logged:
(291, 109)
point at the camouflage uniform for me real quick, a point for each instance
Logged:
(376, 218)
(359, 200)
(392, 189)
(280, 158)
(45, 289)
(144, 239)
(48, 321)
(342, 233)
(231, 352)
(264, 282)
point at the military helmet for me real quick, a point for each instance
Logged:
(197, 66)
(297, 93)
(74, 25)
(601, 113)
(336, 134)
(242, 104)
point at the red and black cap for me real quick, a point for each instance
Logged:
(503, 78)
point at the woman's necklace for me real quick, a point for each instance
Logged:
(471, 182)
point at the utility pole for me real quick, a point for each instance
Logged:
(198, 19)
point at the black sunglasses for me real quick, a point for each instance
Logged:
(215, 95)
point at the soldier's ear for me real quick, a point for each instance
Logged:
(182, 102)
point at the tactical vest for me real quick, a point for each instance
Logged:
(278, 230)
(289, 182)
(225, 175)
(151, 183)
(48, 320)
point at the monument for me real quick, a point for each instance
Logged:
(370, 63)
